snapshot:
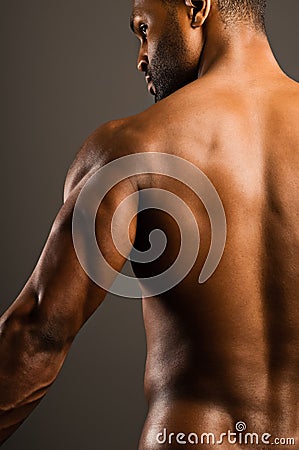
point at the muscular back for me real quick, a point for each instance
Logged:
(218, 352)
(227, 350)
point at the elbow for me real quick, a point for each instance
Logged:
(31, 334)
(51, 336)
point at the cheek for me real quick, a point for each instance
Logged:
(152, 46)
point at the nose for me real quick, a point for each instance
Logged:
(142, 61)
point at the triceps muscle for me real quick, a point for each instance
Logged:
(66, 292)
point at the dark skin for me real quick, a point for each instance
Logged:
(218, 352)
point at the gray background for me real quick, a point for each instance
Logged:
(66, 67)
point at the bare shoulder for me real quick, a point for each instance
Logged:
(111, 141)
(293, 95)
(164, 127)
(101, 147)
(288, 88)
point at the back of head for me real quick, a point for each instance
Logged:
(245, 11)
(251, 12)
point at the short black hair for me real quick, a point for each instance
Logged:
(232, 11)
(249, 11)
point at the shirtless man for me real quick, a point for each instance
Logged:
(219, 352)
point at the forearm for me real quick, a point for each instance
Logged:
(30, 361)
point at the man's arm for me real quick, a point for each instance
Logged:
(37, 330)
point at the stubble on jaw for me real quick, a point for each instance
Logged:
(170, 68)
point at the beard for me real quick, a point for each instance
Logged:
(170, 68)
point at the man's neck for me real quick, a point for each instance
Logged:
(241, 50)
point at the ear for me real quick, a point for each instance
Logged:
(200, 9)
